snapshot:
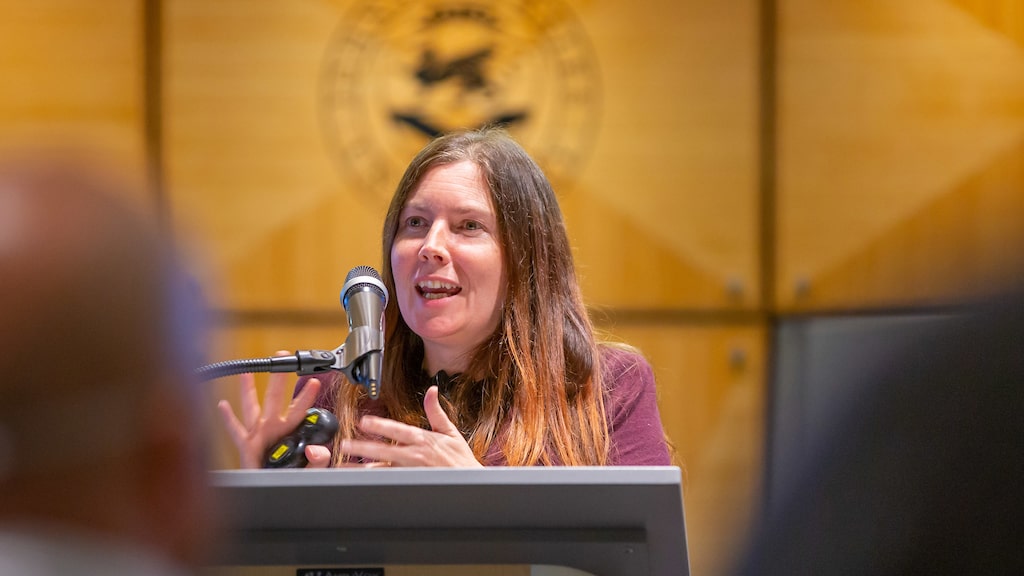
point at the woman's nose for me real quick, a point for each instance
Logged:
(435, 244)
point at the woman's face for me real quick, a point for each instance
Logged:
(447, 263)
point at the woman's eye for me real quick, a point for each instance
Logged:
(415, 222)
(473, 225)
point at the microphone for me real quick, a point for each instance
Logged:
(360, 358)
(364, 298)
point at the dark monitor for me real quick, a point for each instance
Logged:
(606, 521)
(821, 364)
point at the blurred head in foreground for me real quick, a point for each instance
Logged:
(100, 439)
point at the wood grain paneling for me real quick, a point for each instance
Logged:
(1004, 16)
(964, 243)
(891, 113)
(246, 169)
(71, 79)
(673, 171)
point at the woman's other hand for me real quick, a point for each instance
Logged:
(442, 445)
(262, 426)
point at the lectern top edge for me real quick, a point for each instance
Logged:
(582, 475)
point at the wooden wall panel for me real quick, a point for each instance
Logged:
(670, 191)
(246, 169)
(1005, 16)
(964, 243)
(895, 119)
(71, 79)
(672, 170)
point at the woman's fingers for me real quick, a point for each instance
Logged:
(263, 424)
(235, 428)
(273, 400)
(392, 430)
(443, 445)
(241, 435)
(377, 451)
(249, 399)
(407, 445)
(307, 396)
(405, 434)
(318, 456)
(301, 404)
(439, 421)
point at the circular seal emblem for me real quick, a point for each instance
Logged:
(397, 74)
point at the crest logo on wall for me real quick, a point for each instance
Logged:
(396, 74)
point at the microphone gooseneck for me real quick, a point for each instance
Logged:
(303, 363)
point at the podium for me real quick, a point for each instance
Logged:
(605, 521)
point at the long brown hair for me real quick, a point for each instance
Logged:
(532, 393)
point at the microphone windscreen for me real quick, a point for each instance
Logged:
(361, 271)
(359, 279)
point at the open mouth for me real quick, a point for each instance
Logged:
(435, 289)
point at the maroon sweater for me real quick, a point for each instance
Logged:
(631, 401)
(637, 436)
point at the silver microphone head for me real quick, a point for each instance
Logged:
(364, 298)
(363, 278)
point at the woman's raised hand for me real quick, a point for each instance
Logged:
(262, 426)
(442, 445)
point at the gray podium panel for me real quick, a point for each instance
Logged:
(607, 521)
